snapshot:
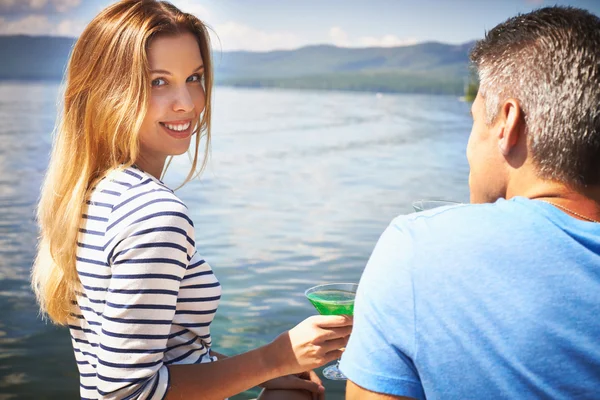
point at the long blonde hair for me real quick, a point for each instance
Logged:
(105, 101)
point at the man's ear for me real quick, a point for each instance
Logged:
(509, 123)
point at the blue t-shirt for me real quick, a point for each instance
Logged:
(490, 301)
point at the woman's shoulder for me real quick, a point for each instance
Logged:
(131, 192)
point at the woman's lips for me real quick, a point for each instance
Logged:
(178, 129)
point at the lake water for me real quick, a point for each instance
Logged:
(299, 187)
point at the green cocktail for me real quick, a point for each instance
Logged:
(333, 299)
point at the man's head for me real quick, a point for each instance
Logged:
(538, 104)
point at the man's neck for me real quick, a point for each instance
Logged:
(582, 200)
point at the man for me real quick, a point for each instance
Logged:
(500, 299)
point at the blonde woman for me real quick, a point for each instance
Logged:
(117, 261)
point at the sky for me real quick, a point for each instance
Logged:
(264, 25)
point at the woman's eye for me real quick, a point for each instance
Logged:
(158, 82)
(195, 78)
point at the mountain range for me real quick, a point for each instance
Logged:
(421, 68)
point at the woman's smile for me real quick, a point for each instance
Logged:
(178, 129)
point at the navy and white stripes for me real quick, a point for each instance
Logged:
(147, 297)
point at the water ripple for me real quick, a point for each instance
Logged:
(298, 190)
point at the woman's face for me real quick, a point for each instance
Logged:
(176, 101)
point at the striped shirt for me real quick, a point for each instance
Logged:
(147, 297)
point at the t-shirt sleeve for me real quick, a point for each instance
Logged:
(148, 257)
(382, 344)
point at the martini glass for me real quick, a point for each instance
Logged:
(333, 299)
(422, 205)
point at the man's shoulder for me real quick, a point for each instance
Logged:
(467, 233)
(469, 219)
(448, 241)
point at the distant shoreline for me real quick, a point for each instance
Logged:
(424, 68)
(380, 90)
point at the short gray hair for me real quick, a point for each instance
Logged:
(549, 60)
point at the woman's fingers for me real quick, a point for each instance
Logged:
(315, 378)
(332, 356)
(336, 344)
(332, 321)
(309, 385)
(312, 342)
(312, 375)
(332, 326)
(335, 333)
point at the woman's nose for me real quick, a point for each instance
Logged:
(183, 100)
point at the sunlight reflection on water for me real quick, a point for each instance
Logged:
(299, 187)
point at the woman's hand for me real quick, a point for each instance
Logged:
(315, 341)
(305, 381)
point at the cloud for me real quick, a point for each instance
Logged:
(235, 36)
(41, 25)
(65, 5)
(340, 38)
(385, 41)
(193, 7)
(30, 25)
(231, 35)
(16, 7)
(535, 2)
(69, 27)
